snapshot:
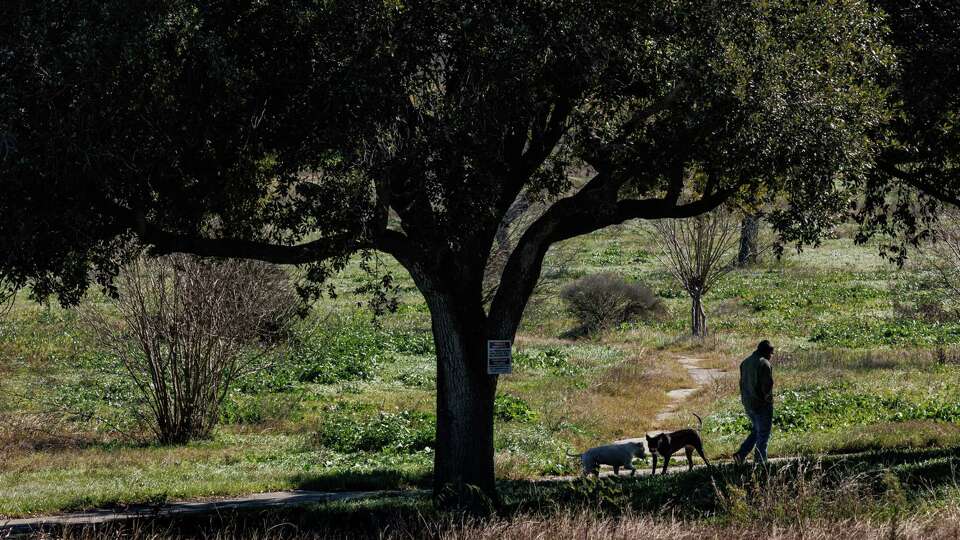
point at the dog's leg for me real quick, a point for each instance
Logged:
(616, 470)
(666, 463)
(633, 470)
(699, 448)
(653, 458)
(689, 452)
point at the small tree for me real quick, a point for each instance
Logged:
(184, 325)
(698, 251)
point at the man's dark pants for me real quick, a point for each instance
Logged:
(761, 421)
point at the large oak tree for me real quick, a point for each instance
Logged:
(303, 132)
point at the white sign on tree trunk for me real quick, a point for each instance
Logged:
(499, 358)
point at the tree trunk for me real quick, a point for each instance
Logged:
(698, 317)
(463, 462)
(749, 229)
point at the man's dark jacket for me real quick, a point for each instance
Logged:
(756, 383)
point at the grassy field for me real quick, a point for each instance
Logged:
(866, 363)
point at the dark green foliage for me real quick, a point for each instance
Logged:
(510, 408)
(410, 341)
(252, 409)
(364, 430)
(552, 360)
(802, 294)
(605, 300)
(923, 296)
(226, 105)
(418, 378)
(920, 149)
(810, 408)
(345, 349)
(339, 352)
(865, 333)
(91, 388)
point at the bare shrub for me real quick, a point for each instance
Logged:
(698, 251)
(8, 293)
(604, 300)
(187, 328)
(929, 310)
(943, 256)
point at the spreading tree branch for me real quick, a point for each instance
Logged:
(588, 210)
(164, 242)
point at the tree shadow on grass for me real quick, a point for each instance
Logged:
(707, 491)
(370, 480)
(814, 487)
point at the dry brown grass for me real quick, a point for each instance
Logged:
(589, 527)
(72, 455)
(623, 400)
(25, 433)
(586, 526)
(941, 525)
(533, 340)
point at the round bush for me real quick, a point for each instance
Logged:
(604, 300)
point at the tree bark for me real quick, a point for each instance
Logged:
(463, 459)
(749, 229)
(698, 317)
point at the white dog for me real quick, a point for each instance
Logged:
(617, 455)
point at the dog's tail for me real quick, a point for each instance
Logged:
(699, 422)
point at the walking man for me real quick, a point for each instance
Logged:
(756, 393)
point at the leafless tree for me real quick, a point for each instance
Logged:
(185, 330)
(698, 251)
(943, 252)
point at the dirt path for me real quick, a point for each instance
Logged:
(701, 377)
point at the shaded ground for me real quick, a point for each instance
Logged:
(784, 496)
(257, 501)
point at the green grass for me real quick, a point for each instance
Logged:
(348, 402)
(49, 481)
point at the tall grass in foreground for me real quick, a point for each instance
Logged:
(805, 500)
(581, 525)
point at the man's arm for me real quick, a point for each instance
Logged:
(765, 381)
